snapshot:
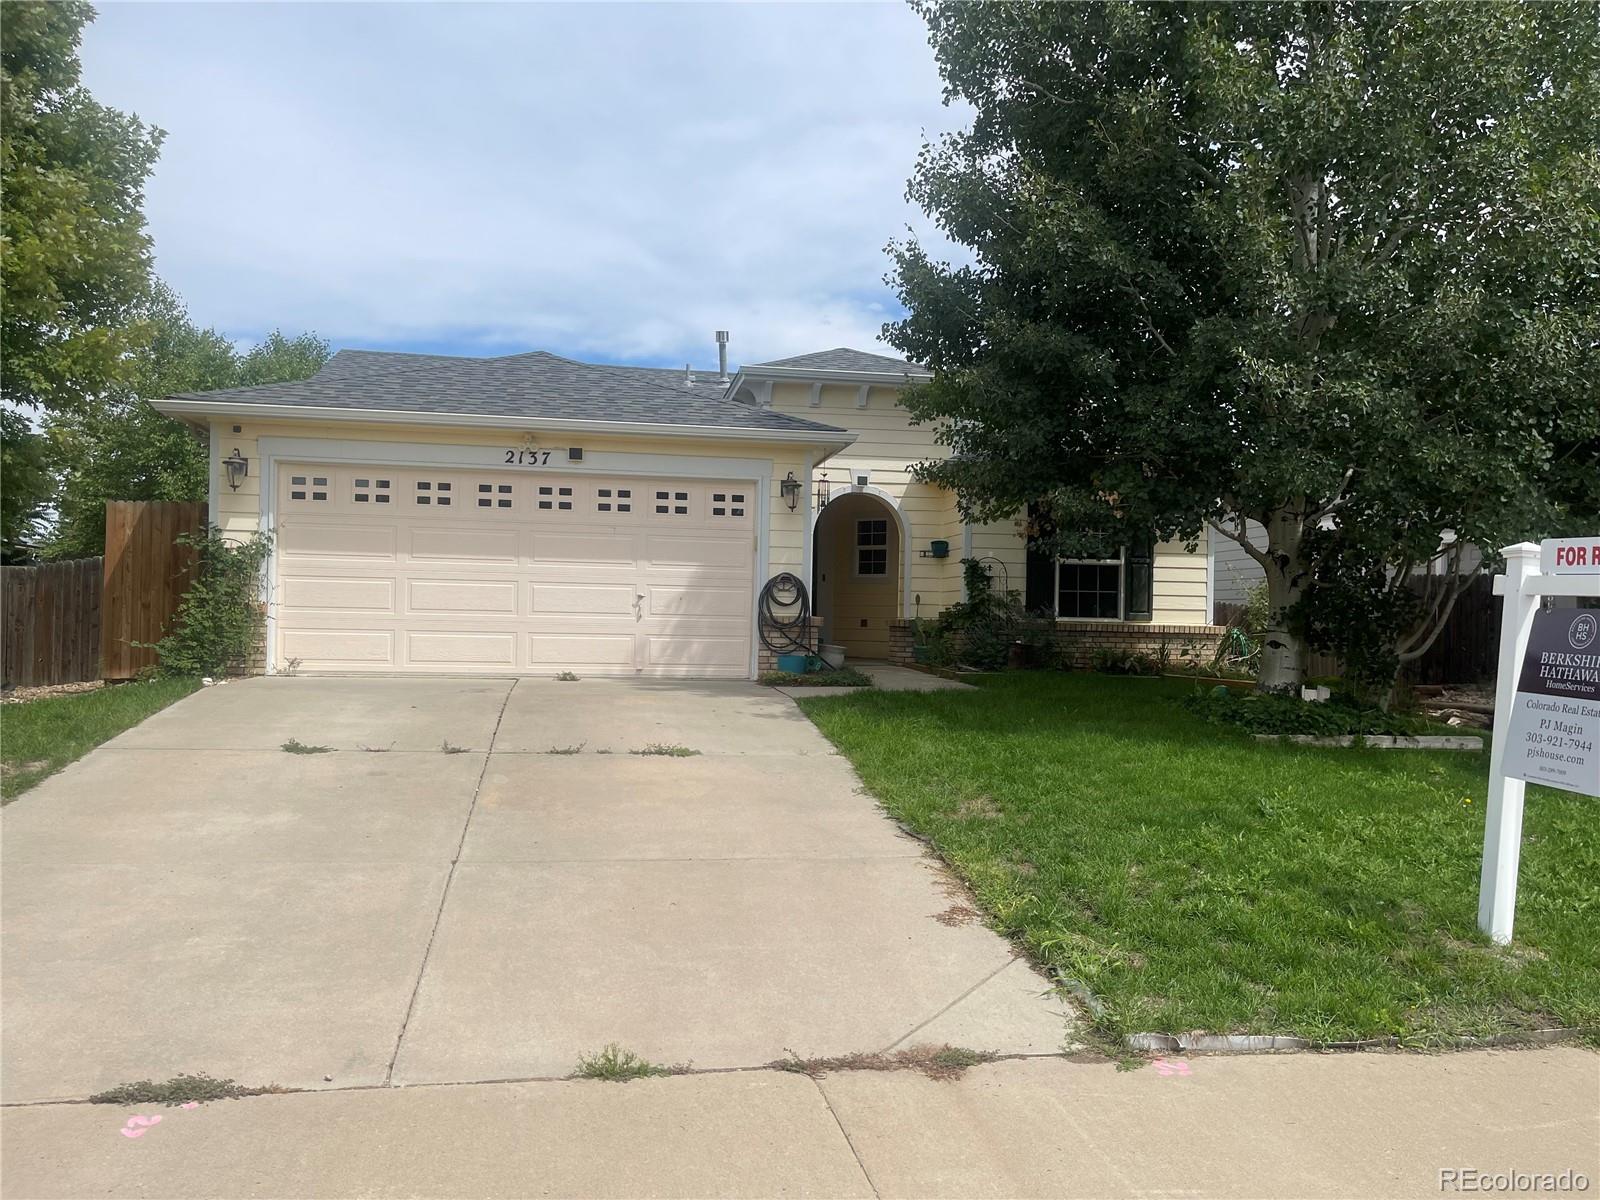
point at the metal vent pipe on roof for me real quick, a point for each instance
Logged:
(722, 356)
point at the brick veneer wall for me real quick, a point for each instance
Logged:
(901, 640)
(767, 660)
(1079, 640)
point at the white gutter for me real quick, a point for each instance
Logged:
(190, 409)
(812, 374)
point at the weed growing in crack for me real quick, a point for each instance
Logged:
(181, 1089)
(617, 1065)
(936, 1062)
(447, 748)
(296, 746)
(655, 749)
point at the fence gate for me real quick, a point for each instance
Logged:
(51, 627)
(146, 575)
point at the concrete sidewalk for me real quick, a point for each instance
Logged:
(1370, 1125)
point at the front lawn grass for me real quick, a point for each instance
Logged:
(39, 737)
(1197, 880)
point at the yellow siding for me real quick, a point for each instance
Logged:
(1003, 540)
(1180, 585)
(886, 446)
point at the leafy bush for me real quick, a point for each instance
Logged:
(219, 619)
(980, 630)
(1254, 622)
(1111, 661)
(1264, 713)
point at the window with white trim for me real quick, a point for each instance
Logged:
(1089, 589)
(872, 546)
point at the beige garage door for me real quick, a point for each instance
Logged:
(384, 569)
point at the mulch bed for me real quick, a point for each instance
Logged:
(21, 695)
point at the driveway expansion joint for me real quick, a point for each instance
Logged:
(498, 1081)
(444, 893)
(924, 1024)
(845, 1133)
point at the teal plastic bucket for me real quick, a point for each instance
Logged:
(793, 664)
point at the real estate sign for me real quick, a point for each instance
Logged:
(1555, 716)
(1569, 556)
(1546, 704)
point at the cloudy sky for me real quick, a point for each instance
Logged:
(609, 181)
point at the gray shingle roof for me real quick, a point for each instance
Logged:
(842, 358)
(518, 385)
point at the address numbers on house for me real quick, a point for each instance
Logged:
(525, 456)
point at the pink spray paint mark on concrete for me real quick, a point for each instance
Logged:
(139, 1126)
(1167, 1066)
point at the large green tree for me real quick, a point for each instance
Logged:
(74, 254)
(1327, 266)
(122, 449)
(24, 485)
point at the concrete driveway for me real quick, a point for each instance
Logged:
(479, 881)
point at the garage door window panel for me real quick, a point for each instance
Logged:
(309, 488)
(496, 496)
(369, 489)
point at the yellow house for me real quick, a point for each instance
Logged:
(531, 514)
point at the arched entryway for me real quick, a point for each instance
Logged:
(856, 577)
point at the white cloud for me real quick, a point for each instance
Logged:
(607, 180)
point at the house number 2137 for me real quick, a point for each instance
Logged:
(527, 458)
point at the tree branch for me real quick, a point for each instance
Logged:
(1443, 605)
(1249, 547)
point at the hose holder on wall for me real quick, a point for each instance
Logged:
(783, 616)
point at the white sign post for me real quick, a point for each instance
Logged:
(1546, 705)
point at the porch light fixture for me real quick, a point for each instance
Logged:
(237, 467)
(790, 487)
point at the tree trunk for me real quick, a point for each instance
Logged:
(1283, 658)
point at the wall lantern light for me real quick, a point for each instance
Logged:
(790, 487)
(238, 467)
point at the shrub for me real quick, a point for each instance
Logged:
(1111, 661)
(219, 619)
(1264, 713)
(1254, 621)
(979, 631)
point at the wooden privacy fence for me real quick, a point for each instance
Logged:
(146, 575)
(51, 625)
(1464, 652)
